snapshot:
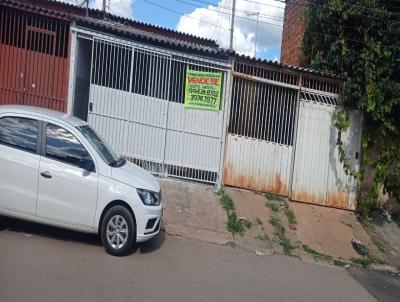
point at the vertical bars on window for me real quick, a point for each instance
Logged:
(111, 65)
(262, 111)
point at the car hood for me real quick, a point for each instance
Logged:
(135, 176)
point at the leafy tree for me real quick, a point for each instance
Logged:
(360, 40)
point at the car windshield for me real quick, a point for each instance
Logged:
(101, 146)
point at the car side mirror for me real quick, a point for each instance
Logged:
(88, 165)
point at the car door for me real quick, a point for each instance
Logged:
(19, 164)
(67, 190)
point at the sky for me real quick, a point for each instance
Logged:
(211, 19)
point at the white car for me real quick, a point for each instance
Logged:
(56, 170)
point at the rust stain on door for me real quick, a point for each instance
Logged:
(333, 199)
(275, 183)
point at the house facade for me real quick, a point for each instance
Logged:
(272, 129)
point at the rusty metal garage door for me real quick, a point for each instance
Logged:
(33, 59)
(259, 147)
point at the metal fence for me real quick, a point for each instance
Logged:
(33, 59)
(282, 139)
(280, 135)
(136, 101)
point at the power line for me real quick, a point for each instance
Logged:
(239, 10)
(180, 13)
(225, 13)
(277, 18)
(246, 18)
(270, 5)
(312, 32)
(324, 5)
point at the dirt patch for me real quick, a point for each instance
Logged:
(193, 211)
(251, 207)
(330, 231)
(319, 233)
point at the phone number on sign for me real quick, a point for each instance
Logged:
(200, 91)
(203, 99)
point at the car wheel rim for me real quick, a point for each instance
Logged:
(117, 232)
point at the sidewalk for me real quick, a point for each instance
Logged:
(193, 211)
(321, 234)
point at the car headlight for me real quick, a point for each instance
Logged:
(149, 198)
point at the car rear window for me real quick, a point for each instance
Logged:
(19, 132)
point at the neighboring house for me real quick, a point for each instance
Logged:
(294, 23)
(272, 131)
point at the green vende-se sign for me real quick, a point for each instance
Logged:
(203, 90)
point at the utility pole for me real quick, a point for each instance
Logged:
(106, 6)
(232, 24)
(86, 2)
(258, 17)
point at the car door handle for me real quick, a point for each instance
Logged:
(46, 174)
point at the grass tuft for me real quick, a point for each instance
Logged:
(280, 231)
(290, 215)
(274, 207)
(338, 263)
(367, 260)
(263, 237)
(233, 225)
(287, 245)
(272, 196)
(276, 223)
(315, 254)
(227, 202)
(247, 223)
(379, 244)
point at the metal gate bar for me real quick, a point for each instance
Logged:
(154, 130)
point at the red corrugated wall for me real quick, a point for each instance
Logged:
(34, 61)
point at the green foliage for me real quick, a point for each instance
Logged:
(273, 197)
(227, 203)
(338, 263)
(247, 223)
(315, 254)
(366, 261)
(280, 231)
(287, 245)
(276, 223)
(233, 225)
(274, 207)
(363, 46)
(290, 215)
(379, 244)
(263, 237)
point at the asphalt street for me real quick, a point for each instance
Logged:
(40, 263)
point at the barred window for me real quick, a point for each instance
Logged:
(263, 111)
(111, 65)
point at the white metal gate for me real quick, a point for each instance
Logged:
(136, 101)
(282, 138)
(319, 176)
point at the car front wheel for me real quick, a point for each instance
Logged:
(118, 231)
